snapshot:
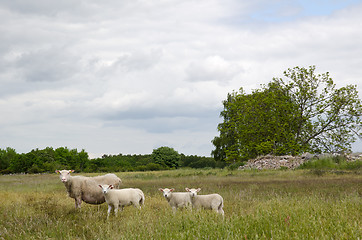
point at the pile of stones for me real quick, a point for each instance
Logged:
(290, 162)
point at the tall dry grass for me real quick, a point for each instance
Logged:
(258, 205)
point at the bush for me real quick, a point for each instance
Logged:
(203, 163)
(5, 171)
(356, 165)
(220, 164)
(338, 162)
(236, 165)
(35, 169)
(150, 167)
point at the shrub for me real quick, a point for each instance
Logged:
(150, 167)
(35, 169)
(235, 165)
(356, 165)
(337, 162)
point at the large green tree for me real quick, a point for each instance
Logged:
(304, 112)
(166, 156)
(256, 124)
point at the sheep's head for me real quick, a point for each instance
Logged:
(193, 192)
(166, 192)
(106, 188)
(64, 175)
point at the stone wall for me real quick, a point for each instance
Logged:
(290, 162)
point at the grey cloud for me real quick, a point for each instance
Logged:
(160, 111)
(46, 65)
(162, 117)
(43, 7)
(137, 61)
(173, 124)
(165, 124)
(67, 9)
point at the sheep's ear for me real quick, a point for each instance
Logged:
(172, 189)
(57, 171)
(100, 186)
(160, 189)
(198, 190)
(111, 186)
(71, 171)
(187, 189)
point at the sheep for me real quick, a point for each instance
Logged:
(122, 197)
(176, 199)
(210, 201)
(86, 188)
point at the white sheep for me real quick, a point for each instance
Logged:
(86, 188)
(176, 199)
(210, 201)
(122, 197)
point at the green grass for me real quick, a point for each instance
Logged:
(338, 163)
(258, 205)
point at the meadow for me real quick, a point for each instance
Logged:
(278, 204)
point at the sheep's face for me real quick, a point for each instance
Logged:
(167, 192)
(105, 188)
(64, 175)
(193, 192)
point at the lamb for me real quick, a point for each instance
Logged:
(86, 188)
(176, 199)
(210, 201)
(122, 197)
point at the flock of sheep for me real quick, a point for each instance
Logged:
(106, 188)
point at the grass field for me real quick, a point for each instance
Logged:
(300, 204)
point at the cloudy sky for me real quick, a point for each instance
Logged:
(130, 76)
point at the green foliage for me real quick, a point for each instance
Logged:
(329, 119)
(7, 159)
(49, 159)
(194, 161)
(234, 166)
(45, 160)
(328, 163)
(256, 124)
(166, 156)
(120, 162)
(303, 113)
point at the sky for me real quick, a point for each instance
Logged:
(130, 76)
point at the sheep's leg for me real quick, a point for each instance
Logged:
(116, 210)
(218, 209)
(142, 202)
(215, 209)
(78, 202)
(109, 210)
(121, 208)
(136, 205)
(221, 211)
(174, 210)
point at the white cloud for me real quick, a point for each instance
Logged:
(129, 76)
(213, 68)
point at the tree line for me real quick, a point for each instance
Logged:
(50, 159)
